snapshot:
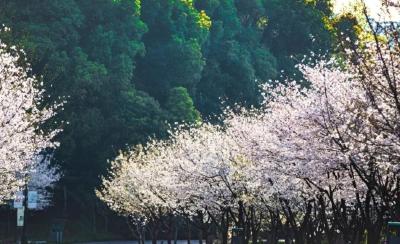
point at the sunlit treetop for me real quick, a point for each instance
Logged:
(137, 4)
(378, 9)
(204, 20)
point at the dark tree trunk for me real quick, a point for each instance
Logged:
(189, 237)
(224, 227)
(154, 232)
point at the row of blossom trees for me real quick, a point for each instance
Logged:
(313, 164)
(25, 147)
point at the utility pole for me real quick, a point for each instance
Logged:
(25, 200)
(20, 206)
(25, 210)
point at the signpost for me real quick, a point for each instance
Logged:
(32, 199)
(19, 200)
(393, 233)
(20, 203)
(20, 216)
(57, 230)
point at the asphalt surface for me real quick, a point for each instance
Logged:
(136, 242)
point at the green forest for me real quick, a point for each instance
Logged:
(129, 70)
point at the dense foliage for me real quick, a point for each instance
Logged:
(127, 67)
(25, 148)
(317, 164)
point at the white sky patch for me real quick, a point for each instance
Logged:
(374, 7)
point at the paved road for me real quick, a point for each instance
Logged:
(136, 242)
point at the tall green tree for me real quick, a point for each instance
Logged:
(237, 60)
(86, 52)
(180, 106)
(295, 29)
(173, 44)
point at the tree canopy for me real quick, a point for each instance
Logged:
(128, 68)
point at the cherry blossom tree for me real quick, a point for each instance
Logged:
(321, 160)
(291, 141)
(162, 174)
(24, 146)
(305, 149)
